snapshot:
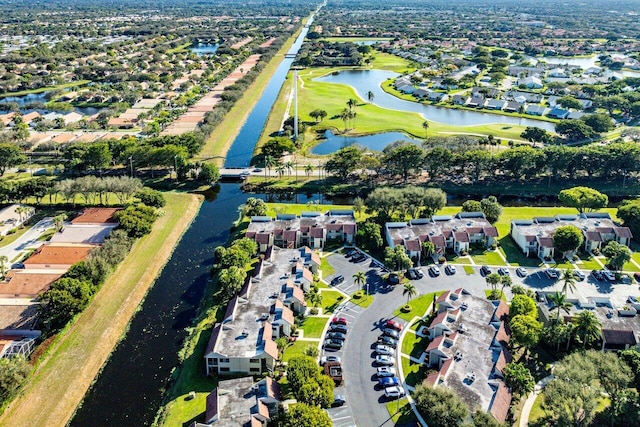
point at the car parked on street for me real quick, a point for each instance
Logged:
(385, 350)
(551, 273)
(337, 280)
(351, 253)
(385, 371)
(503, 271)
(334, 335)
(411, 274)
(394, 392)
(339, 320)
(359, 257)
(393, 324)
(390, 332)
(332, 344)
(485, 270)
(338, 327)
(383, 360)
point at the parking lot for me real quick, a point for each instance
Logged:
(366, 404)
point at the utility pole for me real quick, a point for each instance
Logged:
(131, 164)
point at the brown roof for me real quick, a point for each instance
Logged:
(530, 238)
(250, 234)
(502, 310)
(461, 236)
(618, 337)
(349, 229)
(28, 284)
(213, 339)
(307, 275)
(605, 230)
(334, 227)
(546, 242)
(474, 230)
(490, 231)
(412, 245)
(298, 294)
(263, 238)
(503, 335)
(503, 360)
(212, 406)
(62, 255)
(438, 241)
(443, 296)
(314, 256)
(273, 388)
(290, 235)
(438, 319)
(96, 216)
(435, 343)
(594, 236)
(271, 348)
(623, 232)
(263, 409)
(317, 232)
(501, 403)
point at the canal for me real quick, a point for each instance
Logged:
(129, 390)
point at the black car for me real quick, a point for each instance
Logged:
(385, 340)
(334, 335)
(390, 332)
(393, 279)
(359, 257)
(337, 280)
(338, 400)
(351, 253)
(597, 274)
(332, 344)
(337, 327)
(411, 274)
(485, 270)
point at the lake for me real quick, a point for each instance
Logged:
(364, 81)
(204, 48)
(375, 142)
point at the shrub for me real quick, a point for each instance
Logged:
(441, 260)
(405, 308)
(358, 295)
(314, 311)
(151, 197)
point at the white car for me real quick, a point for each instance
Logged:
(521, 272)
(394, 392)
(434, 270)
(609, 275)
(385, 360)
(450, 269)
(386, 371)
(384, 350)
(326, 359)
(551, 273)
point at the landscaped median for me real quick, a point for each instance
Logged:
(65, 373)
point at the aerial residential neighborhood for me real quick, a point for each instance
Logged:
(320, 213)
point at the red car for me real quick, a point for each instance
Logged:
(393, 324)
(339, 320)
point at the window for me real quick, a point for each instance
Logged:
(254, 360)
(214, 361)
(224, 369)
(254, 370)
(224, 360)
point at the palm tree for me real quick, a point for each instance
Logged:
(569, 281)
(506, 282)
(428, 248)
(425, 126)
(344, 115)
(288, 166)
(351, 103)
(587, 326)
(359, 278)
(559, 301)
(314, 298)
(370, 96)
(492, 280)
(280, 170)
(352, 116)
(59, 220)
(269, 162)
(409, 290)
(308, 169)
(3, 260)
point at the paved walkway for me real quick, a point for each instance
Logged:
(528, 404)
(29, 240)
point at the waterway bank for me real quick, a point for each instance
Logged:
(67, 371)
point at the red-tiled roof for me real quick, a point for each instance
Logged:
(490, 231)
(412, 245)
(262, 238)
(273, 388)
(28, 284)
(503, 360)
(438, 241)
(213, 339)
(545, 242)
(435, 343)
(96, 216)
(443, 296)
(503, 335)
(298, 294)
(461, 236)
(438, 319)
(624, 232)
(605, 230)
(271, 348)
(501, 402)
(474, 230)
(502, 311)
(290, 235)
(60, 255)
(349, 229)
(317, 233)
(432, 378)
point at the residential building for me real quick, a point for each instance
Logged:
(536, 110)
(240, 402)
(558, 113)
(455, 233)
(531, 83)
(57, 256)
(468, 350)
(536, 236)
(495, 104)
(27, 283)
(263, 311)
(311, 229)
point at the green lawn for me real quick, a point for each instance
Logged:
(413, 345)
(363, 301)
(414, 373)
(330, 300)
(487, 292)
(296, 349)
(326, 268)
(297, 208)
(537, 414)
(514, 255)
(468, 269)
(401, 412)
(313, 326)
(629, 266)
(487, 257)
(418, 306)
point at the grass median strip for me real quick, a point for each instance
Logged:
(76, 356)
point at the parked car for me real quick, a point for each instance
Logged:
(503, 271)
(521, 272)
(390, 332)
(339, 320)
(636, 276)
(383, 360)
(388, 341)
(434, 270)
(327, 359)
(386, 371)
(334, 335)
(393, 278)
(332, 344)
(337, 280)
(359, 257)
(411, 274)
(450, 269)
(609, 275)
(385, 350)
(338, 327)
(579, 274)
(351, 253)
(485, 270)
(597, 274)
(551, 273)
(393, 324)
(388, 381)
(394, 392)
(338, 400)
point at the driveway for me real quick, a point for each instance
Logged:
(366, 405)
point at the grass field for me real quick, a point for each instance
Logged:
(418, 306)
(330, 300)
(413, 345)
(295, 349)
(313, 326)
(401, 413)
(78, 353)
(45, 89)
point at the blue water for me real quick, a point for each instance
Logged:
(204, 48)
(42, 97)
(375, 142)
(364, 81)
(241, 151)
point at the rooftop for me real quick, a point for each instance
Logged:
(60, 254)
(437, 225)
(19, 316)
(96, 216)
(306, 219)
(236, 403)
(24, 283)
(589, 222)
(83, 233)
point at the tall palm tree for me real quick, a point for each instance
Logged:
(269, 162)
(587, 326)
(288, 166)
(409, 290)
(280, 169)
(359, 278)
(370, 96)
(351, 103)
(352, 116)
(425, 126)
(308, 169)
(559, 301)
(344, 115)
(505, 282)
(568, 281)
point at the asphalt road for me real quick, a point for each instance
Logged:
(27, 241)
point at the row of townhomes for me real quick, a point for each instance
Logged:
(21, 286)
(264, 310)
(454, 233)
(468, 350)
(311, 229)
(536, 236)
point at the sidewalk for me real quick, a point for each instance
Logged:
(528, 404)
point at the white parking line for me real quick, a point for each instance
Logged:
(340, 418)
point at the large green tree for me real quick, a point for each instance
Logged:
(617, 255)
(518, 377)
(302, 415)
(13, 374)
(402, 159)
(629, 212)
(584, 199)
(396, 258)
(344, 161)
(523, 304)
(525, 331)
(10, 156)
(567, 239)
(440, 406)
(369, 236)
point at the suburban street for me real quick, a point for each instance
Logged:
(27, 241)
(365, 405)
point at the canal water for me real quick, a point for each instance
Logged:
(129, 390)
(376, 142)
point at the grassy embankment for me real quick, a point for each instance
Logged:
(66, 371)
(219, 142)
(45, 89)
